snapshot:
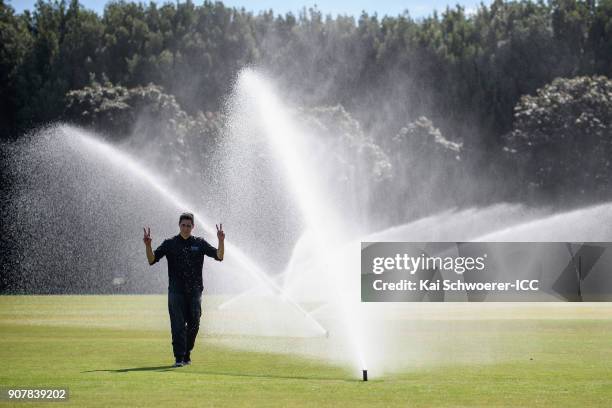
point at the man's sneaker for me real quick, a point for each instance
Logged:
(187, 359)
(178, 363)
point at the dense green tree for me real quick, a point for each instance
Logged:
(150, 117)
(600, 38)
(562, 139)
(15, 43)
(428, 168)
(464, 71)
(347, 160)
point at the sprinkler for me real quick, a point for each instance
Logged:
(365, 375)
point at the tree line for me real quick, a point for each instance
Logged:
(451, 66)
(461, 81)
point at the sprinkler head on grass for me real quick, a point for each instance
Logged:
(365, 375)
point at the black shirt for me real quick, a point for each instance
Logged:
(185, 261)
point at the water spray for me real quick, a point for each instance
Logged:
(312, 198)
(126, 162)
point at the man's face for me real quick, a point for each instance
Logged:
(186, 227)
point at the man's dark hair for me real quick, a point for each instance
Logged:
(186, 216)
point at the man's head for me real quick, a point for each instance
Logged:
(186, 224)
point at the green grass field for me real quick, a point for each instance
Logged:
(115, 351)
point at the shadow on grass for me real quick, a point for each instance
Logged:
(126, 370)
(223, 373)
(275, 376)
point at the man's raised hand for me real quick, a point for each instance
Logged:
(220, 232)
(147, 236)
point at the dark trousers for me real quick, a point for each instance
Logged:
(185, 310)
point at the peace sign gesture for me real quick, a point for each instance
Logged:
(220, 232)
(147, 236)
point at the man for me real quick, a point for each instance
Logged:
(185, 255)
